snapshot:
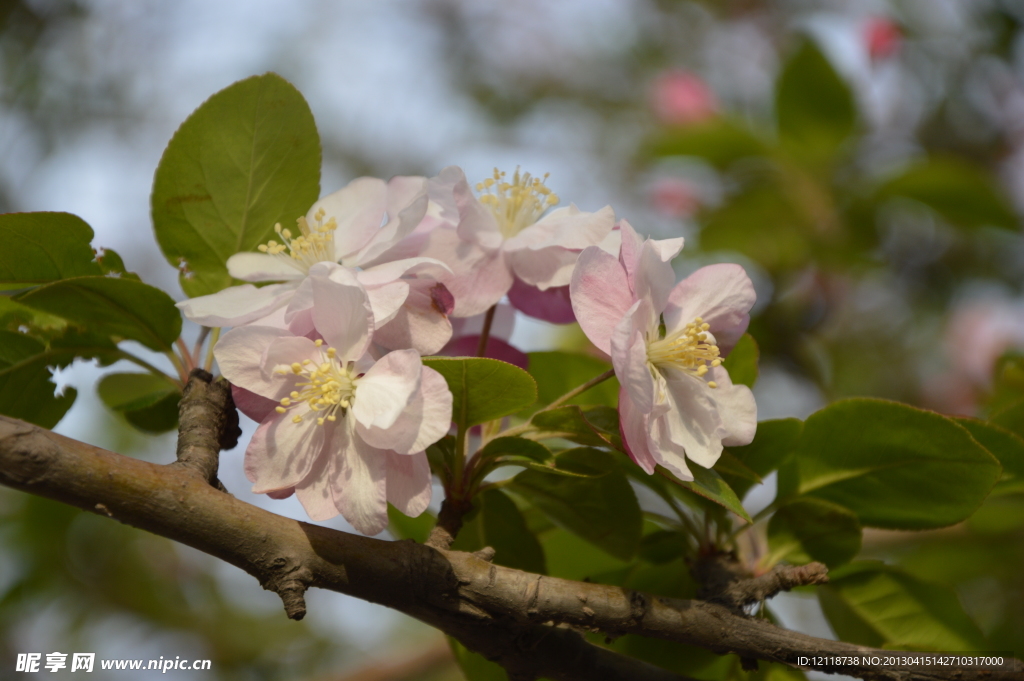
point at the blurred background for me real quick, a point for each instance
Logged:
(864, 161)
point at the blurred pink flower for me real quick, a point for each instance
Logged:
(345, 434)
(682, 98)
(666, 343)
(882, 37)
(674, 197)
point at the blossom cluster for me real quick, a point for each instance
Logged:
(327, 339)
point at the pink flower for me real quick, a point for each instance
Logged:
(346, 434)
(682, 98)
(677, 401)
(882, 37)
(503, 239)
(674, 197)
(346, 228)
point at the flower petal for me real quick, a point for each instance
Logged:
(693, 422)
(241, 354)
(721, 294)
(252, 405)
(420, 323)
(654, 276)
(545, 267)
(264, 267)
(236, 305)
(736, 409)
(569, 228)
(358, 483)
(424, 421)
(633, 425)
(342, 312)
(314, 493)
(479, 277)
(281, 452)
(629, 357)
(408, 483)
(358, 209)
(552, 305)
(406, 206)
(386, 390)
(600, 295)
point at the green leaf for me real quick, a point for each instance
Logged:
(774, 442)
(572, 557)
(148, 402)
(26, 388)
(964, 195)
(813, 106)
(15, 316)
(484, 389)
(893, 465)
(739, 226)
(404, 527)
(247, 158)
(110, 262)
(872, 604)
(1000, 442)
(709, 484)
(742, 361)
(121, 308)
(813, 529)
(601, 509)
(441, 456)
(559, 372)
(474, 666)
(594, 426)
(44, 247)
(718, 141)
(515, 446)
(496, 522)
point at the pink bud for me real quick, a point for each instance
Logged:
(882, 37)
(681, 98)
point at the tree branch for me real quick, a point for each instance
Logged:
(509, 616)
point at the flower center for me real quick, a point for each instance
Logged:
(314, 244)
(517, 204)
(330, 386)
(688, 350)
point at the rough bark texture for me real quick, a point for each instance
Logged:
(525, 622)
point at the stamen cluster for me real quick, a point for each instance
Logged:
(517, 204)
(688, 350)
(313, 245)
(329, 387)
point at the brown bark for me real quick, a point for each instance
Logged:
(525, 622)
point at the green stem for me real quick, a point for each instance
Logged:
(208, 364)
(176, 361)
(525, 427)
(485, 333)
(186, 355)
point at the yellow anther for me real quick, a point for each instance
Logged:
(318, 342)
(517, 204)
(296, 367)
(712, 384)
(296, 419)
(286, 402)
(280, 410)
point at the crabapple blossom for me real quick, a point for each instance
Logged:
(344, 433)
(503, 243)
(667, 344)
(345, 229)
(682, 98)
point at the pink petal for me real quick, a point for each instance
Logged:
(408, 485)
(721, 294)
(693, 422)
(241, 354)
(342, 314)
(252, 405)
(629, 357)
(406, 206)
(359, 484)
(386, 389)
(552, 305)
(386, 300)
(314, 493)
(264, 267)
(477, 224)
(634, 429)
(424, 421)
(236, 305)
(281, 452)
(358, 210)
(479, 278)
(421, 323)
(543, 268)
(600, 295)
(654, 277)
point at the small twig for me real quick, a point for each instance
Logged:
(207, 423)
(485, 333)
(449, 522)
(725, 581)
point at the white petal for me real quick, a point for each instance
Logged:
(237, 305)
(693, 422)
(314, 493)
(544, 268)
(407, 204)
(359, 486)
(241, 354)
(635, 432)
(600, 295)
(568, 228)
(386, 300)
(736, 409)
(629, 357)
(419, 324)
(264, 267)
(358, 210)
(387, 388)
(654, 277)
(408, 483)
(424, 421)
(281, 452)
(342, 314)
(720, 294)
